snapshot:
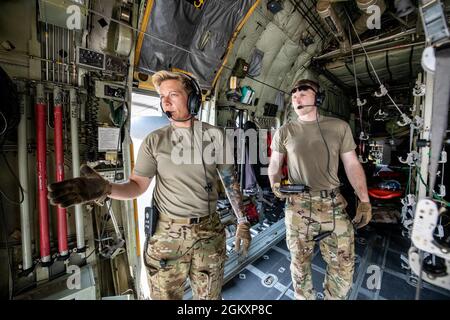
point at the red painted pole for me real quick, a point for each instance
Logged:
(61, 217)
(41, 151)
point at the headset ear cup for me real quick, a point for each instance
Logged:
(197, 104)
(194, 103)
(320, 97)
(189, 104)
(194, 98)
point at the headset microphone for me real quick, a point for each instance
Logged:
(169, 115)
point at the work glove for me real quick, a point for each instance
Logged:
(363, 215)
(276, 191)
(242, 234)
(90, 186)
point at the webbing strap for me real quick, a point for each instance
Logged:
(441, 99)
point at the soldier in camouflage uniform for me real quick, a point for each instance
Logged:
(189, 241)
(313, 145)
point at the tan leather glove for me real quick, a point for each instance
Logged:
(363, 214)
(276, 191)
(90, 186)
(242, 234)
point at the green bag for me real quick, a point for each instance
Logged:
(240, 68)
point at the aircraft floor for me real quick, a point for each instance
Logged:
(376, 248)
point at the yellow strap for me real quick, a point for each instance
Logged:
(143, 29)
(233, 39)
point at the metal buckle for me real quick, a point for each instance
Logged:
(194, 221)
(333, 193)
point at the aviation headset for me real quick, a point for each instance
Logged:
(305, 83)
(194, 99)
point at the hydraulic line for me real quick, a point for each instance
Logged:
(74, 114)
(59, 163)
(25, 225)
(41, 161)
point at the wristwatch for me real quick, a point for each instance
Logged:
(242, 219)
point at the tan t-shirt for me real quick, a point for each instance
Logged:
(168, 154)
(306, 152)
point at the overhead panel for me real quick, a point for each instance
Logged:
(394, 66)
(196, 37)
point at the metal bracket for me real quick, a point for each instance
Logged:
(112, 251)
(362, 160)
(419, 90)
(412, 159)
(414, 263)
(409, 200)
(425, 221)
(363, 136)
(418, 123)
(407, 223)
(404, 262)
(443, 157)
(381, 114)
(428, 60)
(360, 103)
(406, 234)
(405, 120)
(382, 93)
(442, 191)
(376, 154)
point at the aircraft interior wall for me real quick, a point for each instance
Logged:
(92, 61)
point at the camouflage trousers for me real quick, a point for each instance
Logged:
(177, 252)
(307, 217)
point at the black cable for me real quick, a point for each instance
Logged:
(328, 150)
(333, 204)
(119, 140)
(310, 215)
(5, 121)
(22, 196)
(5, 231)
(90, 254)
(208, 185)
